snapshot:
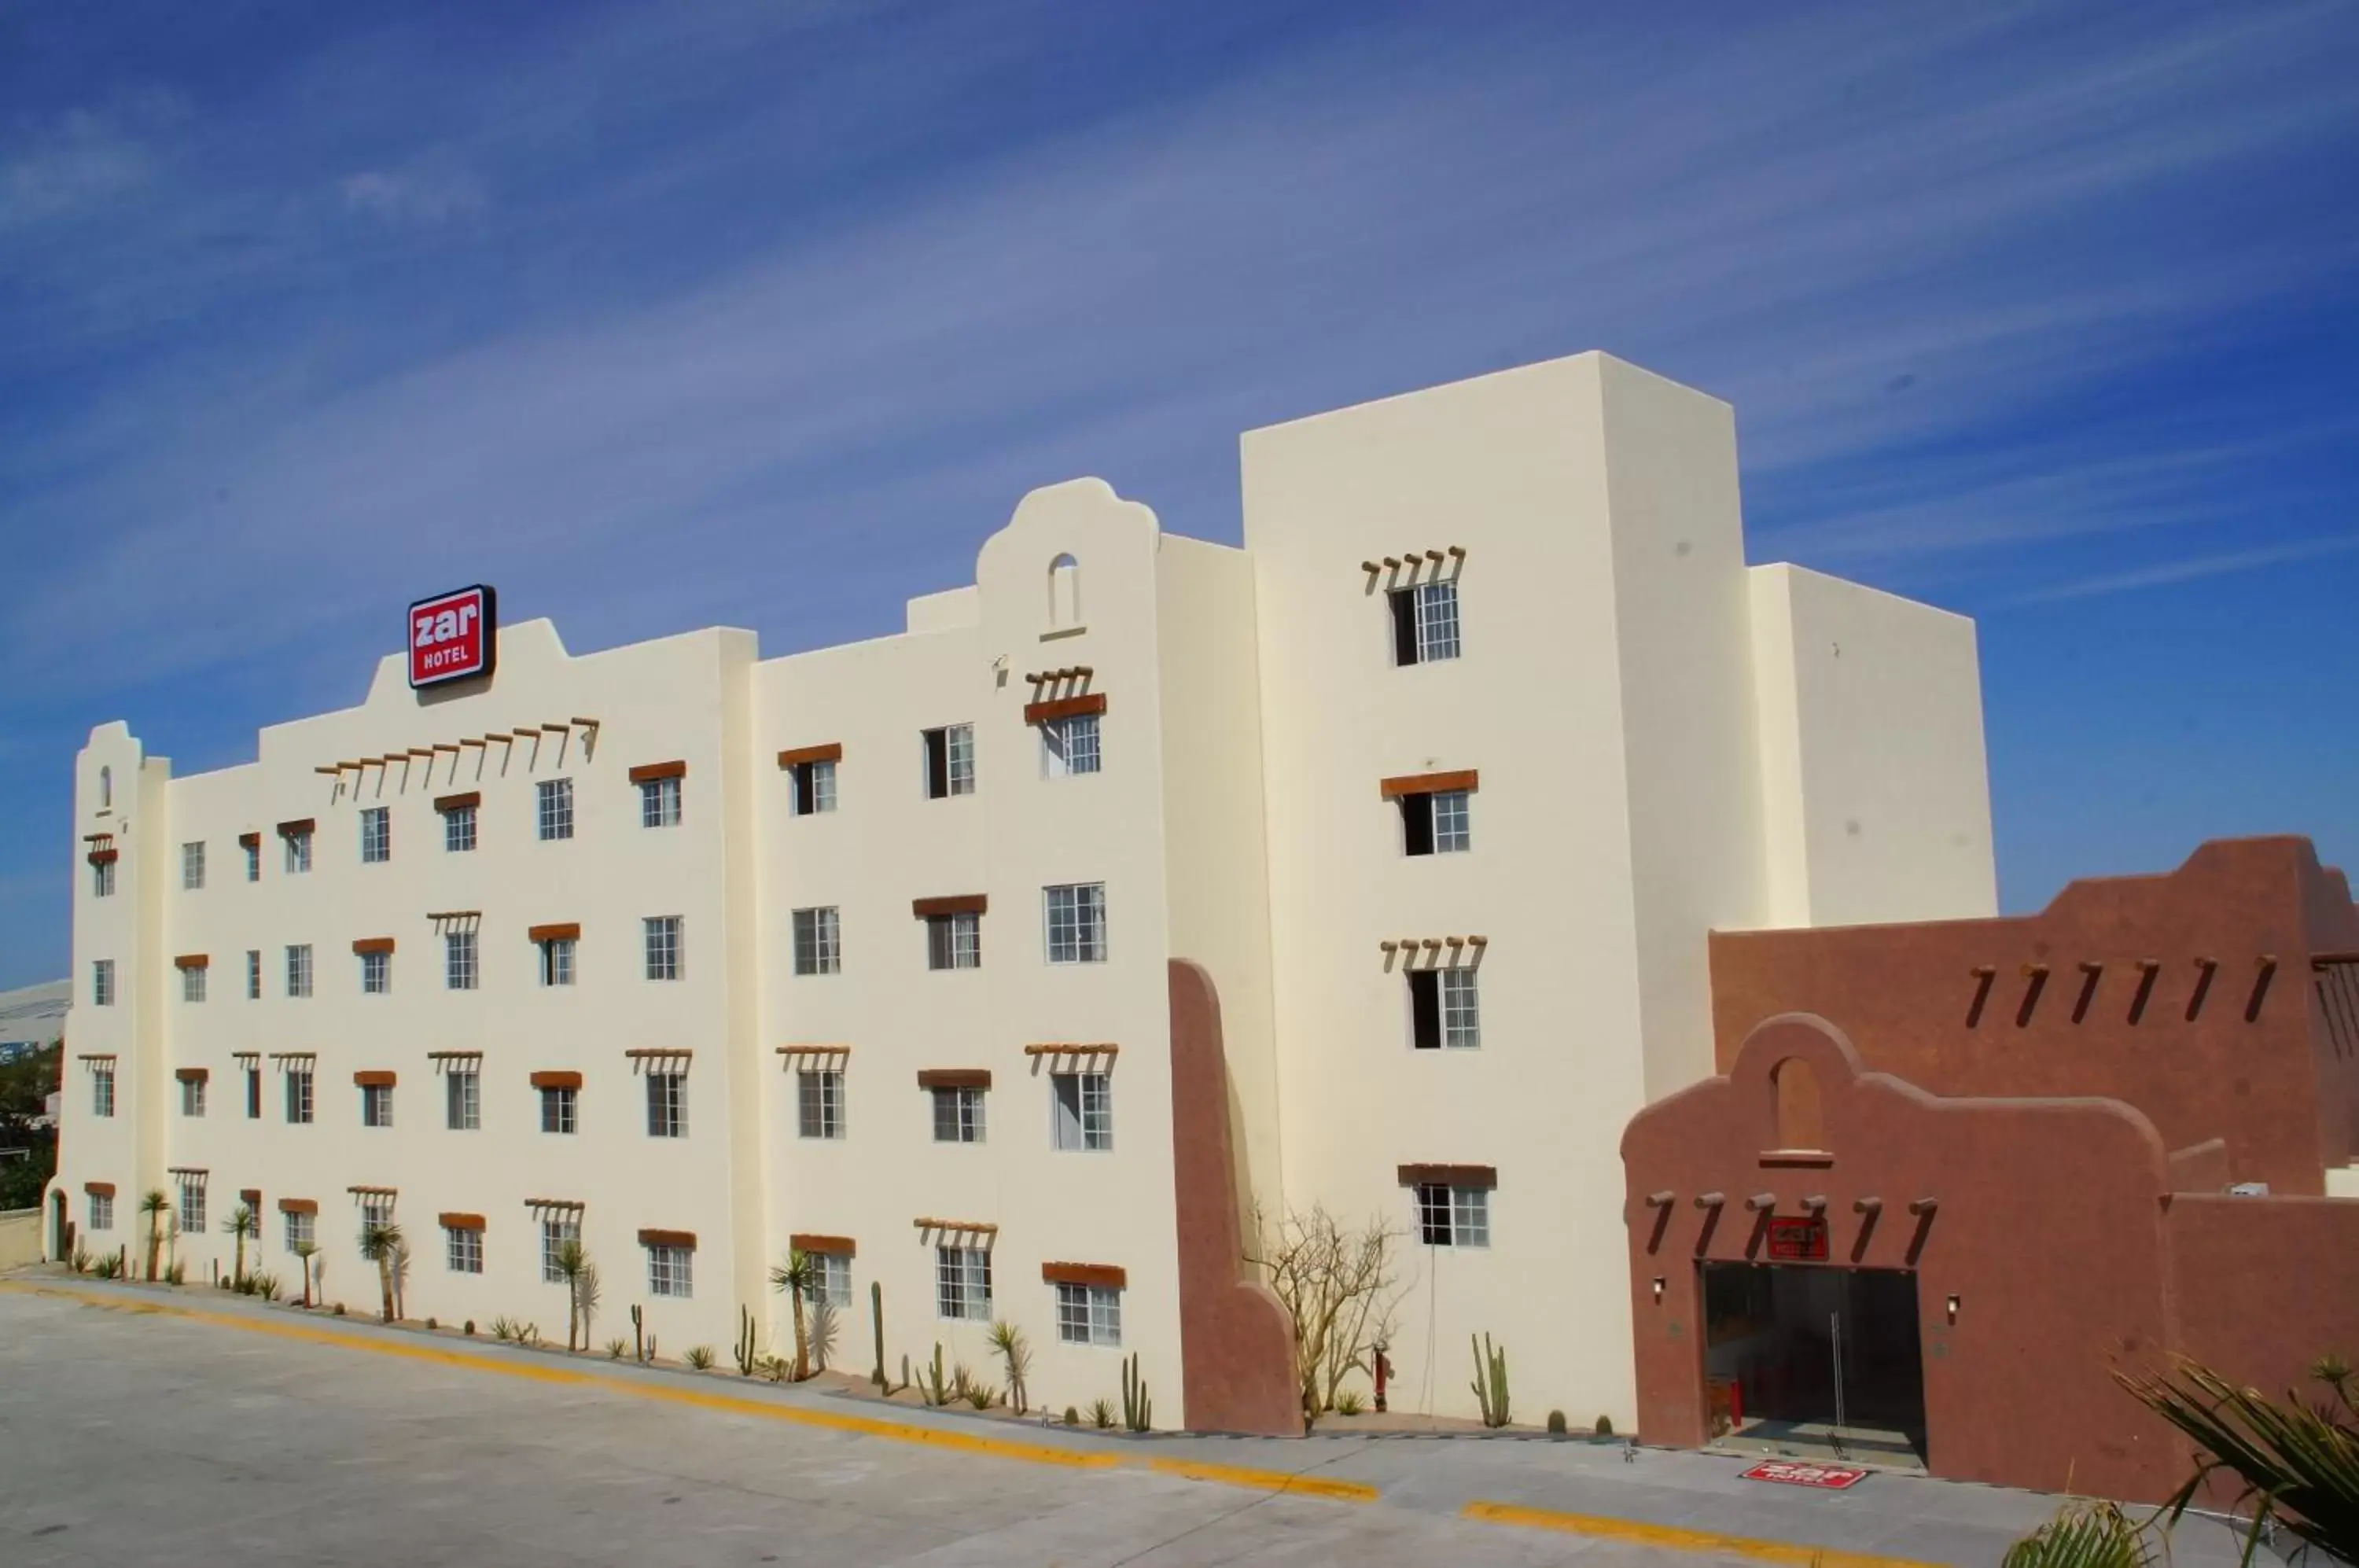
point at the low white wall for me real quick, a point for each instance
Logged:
(20, 1237)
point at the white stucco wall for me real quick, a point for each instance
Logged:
(1877, 788)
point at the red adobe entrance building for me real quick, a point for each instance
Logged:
(1953, 1173)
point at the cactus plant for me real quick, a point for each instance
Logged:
(1556, 1423)
(638, 1334)
(746, 1355)
(1490, 1381)
(935, 1388)
(876, 1317)
(1137, 1409)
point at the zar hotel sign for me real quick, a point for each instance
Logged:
(454, 636)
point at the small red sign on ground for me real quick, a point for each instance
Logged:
(1796, 1472)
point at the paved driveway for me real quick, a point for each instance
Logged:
(143, 1425)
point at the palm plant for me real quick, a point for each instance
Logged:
(155, 1205)
(304, 1252)
(798, 1277)
(572, 1263)
(2299, 1462)
(2083, 1534)
(381, 1242)
(242, 1223)
(1009, 1340)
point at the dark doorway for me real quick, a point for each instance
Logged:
(58, 1244)
(1811, 1359)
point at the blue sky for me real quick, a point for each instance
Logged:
(661, 316)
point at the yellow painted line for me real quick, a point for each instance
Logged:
(866, 1426)
(1675, 1538)
(1268, 1480)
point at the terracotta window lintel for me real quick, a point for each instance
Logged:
(669, 1238)
(1106, 1276)
(950, 904)
(1064, 707)
(795, 756)
(646, 772)
(1430, 783)
(1449, 1175)
(954, 1078)
(835, 1246)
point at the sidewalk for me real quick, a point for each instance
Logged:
(1677, 1499)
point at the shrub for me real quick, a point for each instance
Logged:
(1348, 1402)
(1556, 1423)
(699, 1356)
(339, 1308)
(177, 1274)
(981, 1395)
(108, 1266)
(266, 1286)
(470, 1326)
(1604, 1427)
(1072, 1416)
(505, 1328)
(617, 1348)
(1102, 1414)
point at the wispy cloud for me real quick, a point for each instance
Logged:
(415, 197)
(2169, 573)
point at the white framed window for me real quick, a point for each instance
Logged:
(253, 974)
(666, 1103)
(813, 786)
(672, 1270)
(102, 1210)
(963, 1284)
(102, 983)
(300, 1230)
(1084, 1110)
(819, 941)
(458, 967)
(558, 1109)
(819, 1103)
(555, 798)
(463, 1097)
(1089, 1315)
(299, 969)
(102, 878)
(193, 865)
(298, 850)
(1445, 1010)
(1068, 745)
(463, 1249)
(958, 1116)
(1076, 915)
(192, 1096)
(950, 761)
(192, 1202)
(457, 830)
(954, 941)
(557, 1228)
(660, 802)
(1437, 822)
(376, 974)
(252, 848)
(833, 1281)
(377, 1105)
(557, 961)
(1453, 1216)
(1425, 623)
(663, 944)
(102, 1089)
(192, 983)
(299, 1096)
(377, 835)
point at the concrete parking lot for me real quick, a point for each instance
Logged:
(144, 1425)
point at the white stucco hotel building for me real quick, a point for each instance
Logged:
(1009, 959)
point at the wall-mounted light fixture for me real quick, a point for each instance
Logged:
(1953, 1311)
(1658, 1290)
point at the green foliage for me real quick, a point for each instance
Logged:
(1348, 1402)
(616, 1348)
(1137, 1409)
(1558, 1426)
(981, 1395)
(432, 1324)
(177, 1274)
(24, 1083)
(700, 1357)
(468, 1327)
(639, 1335)
(745, 1346)
(776, 1367)
(825, 1332)
(2299, 1463)
(1009, 1341)
(798, 1277)
(505, 1329)
(1490, 1381)
(1100, 1414)
(108, 1267)
(1072, 1416)
(2083, 1534)
(1604, 1427)
(80, 1260)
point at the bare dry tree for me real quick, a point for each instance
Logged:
(1340, 1286)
